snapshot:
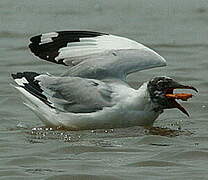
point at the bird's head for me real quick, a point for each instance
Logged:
(161, 93)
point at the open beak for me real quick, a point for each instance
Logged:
(182, 96)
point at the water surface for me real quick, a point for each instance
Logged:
(176, 29)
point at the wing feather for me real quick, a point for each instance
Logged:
(68, 94)
(95, 54)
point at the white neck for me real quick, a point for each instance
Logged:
(143, 99)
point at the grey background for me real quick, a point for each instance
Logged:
(175, 29)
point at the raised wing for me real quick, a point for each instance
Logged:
(94, 54)
(68, 94)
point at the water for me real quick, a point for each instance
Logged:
(176, 29)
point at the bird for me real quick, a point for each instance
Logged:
(94, 92)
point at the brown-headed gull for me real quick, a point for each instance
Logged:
(93, 93)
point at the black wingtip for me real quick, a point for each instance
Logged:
(30, 84)
(36, 39)
(28, 75)
(46, 46)
(14, 76)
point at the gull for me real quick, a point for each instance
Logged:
(94, 93)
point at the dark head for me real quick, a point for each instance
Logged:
(161, 92)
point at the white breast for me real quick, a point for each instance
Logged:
(133, 108)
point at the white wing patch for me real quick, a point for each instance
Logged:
(21, 81)
(94, 45)
(109, 42)
(47, 37)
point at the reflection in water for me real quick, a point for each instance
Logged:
(167, 132)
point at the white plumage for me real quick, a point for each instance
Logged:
(130, 108)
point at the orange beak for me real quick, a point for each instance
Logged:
(182, 96)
